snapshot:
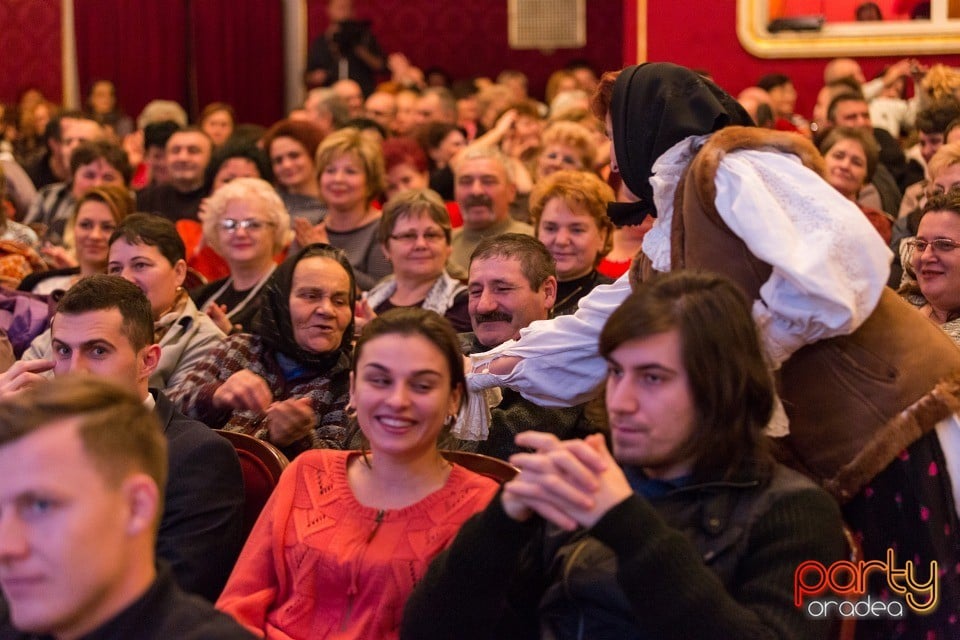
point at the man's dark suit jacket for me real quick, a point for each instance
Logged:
(201, 531)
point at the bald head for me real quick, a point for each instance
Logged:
(843, 68)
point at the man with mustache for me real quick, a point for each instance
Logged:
(484, 188)
(512, 283)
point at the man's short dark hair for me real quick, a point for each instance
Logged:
(117, 431)
(236, 148)
(72, 114)
(154, 231)
(938, 116)
(773, 80)
(156, 134)
(839, 99)
(732, 388)
(536, 263)
(101, 293)
(92, 150)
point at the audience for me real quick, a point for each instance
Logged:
(442, 142)
(415, 236)
(351, 175)
(687, 530)
(932, 262)
(92, 163)
(147, 251)
(292, 148)
(386, 510)
(284, 374)
(850, 110)
(569, 212)
(188, 153)
(484, 190)
(565, 145)
(325, 110)
(285, 381)
(512, 284)
(217, 120)
(102, 106)
(87, 467)
(850, 157)
(247, 224)
(94, 219)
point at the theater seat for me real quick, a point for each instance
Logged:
(261, 463)
(493, 468)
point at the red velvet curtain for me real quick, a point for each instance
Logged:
(140, 46)
(191, 51)
(238, 56)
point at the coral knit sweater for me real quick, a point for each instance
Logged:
(318, 564)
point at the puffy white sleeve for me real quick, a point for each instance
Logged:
(560, 365)
(829, 264)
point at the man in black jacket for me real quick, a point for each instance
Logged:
(104, 326)
(85, 463)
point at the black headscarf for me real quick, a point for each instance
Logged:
(272, 322)
(653, 107)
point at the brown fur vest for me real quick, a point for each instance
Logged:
(854, 401)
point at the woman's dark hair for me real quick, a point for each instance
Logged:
(92, 150)
(431, 135)
(153, 231)
(871, 150)
(413, 321)
(306, 133)
(397, 151)
(234, 148)
(417, 321)
(732, 388)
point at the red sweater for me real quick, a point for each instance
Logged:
(318, 564)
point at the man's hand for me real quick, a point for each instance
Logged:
(570, 483)
(307, 233)
(289, 420)
(218, 313)
(22, 375)
(243, 390)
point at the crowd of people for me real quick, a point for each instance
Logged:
(708, 333)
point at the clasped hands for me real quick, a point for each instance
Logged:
(571, 483)
(286, 421)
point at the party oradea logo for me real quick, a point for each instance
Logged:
(840, 589)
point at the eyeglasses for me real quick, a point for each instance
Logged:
(940, 245)
(250, 225)
(430, 237)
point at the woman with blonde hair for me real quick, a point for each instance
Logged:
(565, 145)
(98, 213)
(246, 223)
(351, 174)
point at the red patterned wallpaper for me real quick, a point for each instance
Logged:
(469, 37)
(29, 48)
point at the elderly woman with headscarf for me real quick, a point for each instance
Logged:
(287, 380)
(869, 385)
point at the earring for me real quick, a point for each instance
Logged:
(450, 420)
(350, 410)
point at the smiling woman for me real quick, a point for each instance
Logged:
(285, 381)
(386, 512)
(935, 262)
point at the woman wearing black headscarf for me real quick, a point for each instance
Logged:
(287, 381)
(857, 368)
(659, 116)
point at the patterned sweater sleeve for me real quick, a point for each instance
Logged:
(194, 395)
